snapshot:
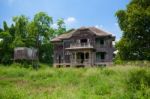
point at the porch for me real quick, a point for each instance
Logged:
(81, 58)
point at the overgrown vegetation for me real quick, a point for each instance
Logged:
(36, 32)
(116, 82)
(134, 22)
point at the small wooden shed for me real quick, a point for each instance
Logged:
(26, 53)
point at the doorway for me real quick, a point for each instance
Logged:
(80, 57)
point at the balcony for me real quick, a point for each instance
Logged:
(80, 46)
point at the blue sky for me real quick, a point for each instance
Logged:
(76, 13)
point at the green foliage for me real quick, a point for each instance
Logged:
(75, 83)
(36, 33)
(139, 83)
(5, 26)
(21, 34)
(134, 22)
(41, 33)
(61, 27)
(12, 93)
(46, 52)
(42, 24)
(138, 77)
(6, 48)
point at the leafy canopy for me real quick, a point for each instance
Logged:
(135, 24)
(29, 33)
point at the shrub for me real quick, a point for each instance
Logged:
(139, 77)
(139, 83)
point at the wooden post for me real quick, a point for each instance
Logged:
(63, 53)
(71, 58)
(89, 58)
(84, 58)
(75, 58)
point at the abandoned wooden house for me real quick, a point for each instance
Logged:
(86, 46)
(24, 53)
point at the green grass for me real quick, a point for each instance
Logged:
(117, 82)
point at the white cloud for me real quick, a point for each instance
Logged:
(99, 26)
(70, 20)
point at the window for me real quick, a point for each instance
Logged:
(87, 56)
(97, 40)
(97, 55)
(100, 55)
(102, 42)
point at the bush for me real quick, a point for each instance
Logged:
(139, 83)
(6, 60)
(139, 77)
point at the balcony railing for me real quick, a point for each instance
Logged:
(80, 45)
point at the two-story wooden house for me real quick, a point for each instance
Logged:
(83, 47)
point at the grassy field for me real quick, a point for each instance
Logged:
(117, 82)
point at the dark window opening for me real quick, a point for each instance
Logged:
(102, 55)
(97, 40)
(102, 42)
(87, 56)
(83, 40)
(98, 55)
(59, 59)
(81, 57)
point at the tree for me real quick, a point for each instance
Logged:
(32, 30)
(13, 36)
(12, 30)
(40, 33)
(61, 27)
(42, 23)
(5, 47)
(36, 33)
(21, 33)
(5, 26)
(135, 24)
